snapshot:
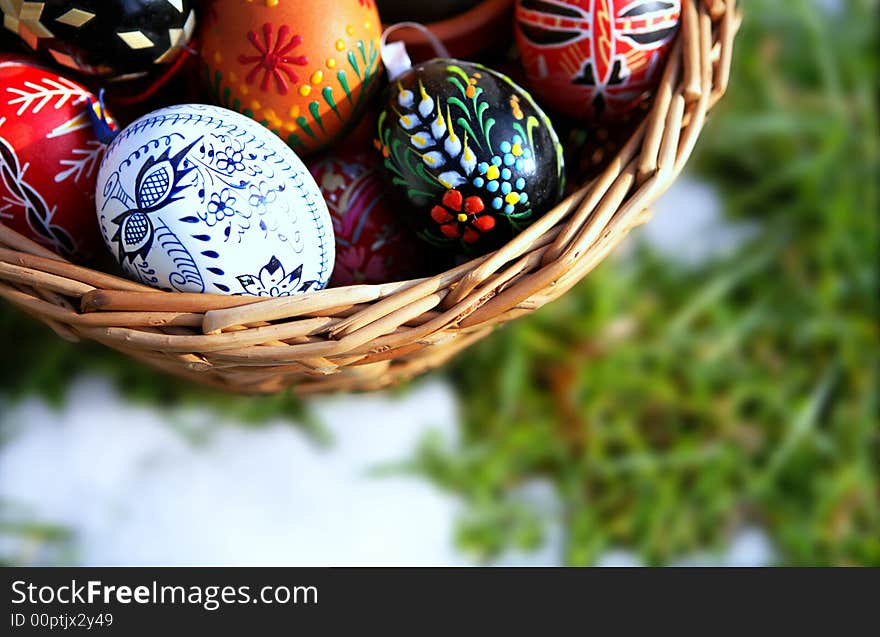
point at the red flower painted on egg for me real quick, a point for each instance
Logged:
(460, 218)
(274, 61)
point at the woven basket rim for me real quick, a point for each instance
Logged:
(365, 337)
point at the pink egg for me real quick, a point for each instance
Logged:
(372, 246)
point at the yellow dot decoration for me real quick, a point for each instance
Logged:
(217, 57)
(462, 217)
(304, 90)
(317, 77)
(340, 45)
(233, 77)
(270, 116)
(517, 150)
(244, 89)
(493, 172)
(331, 63)
(512, 198)
(294, 111)
(255, 105)
(349, 30)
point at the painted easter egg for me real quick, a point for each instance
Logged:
(303, 69)
(49, 159)
(120, 38)
(196, 198)
(595, 58)
(474, 159)
(372, 246)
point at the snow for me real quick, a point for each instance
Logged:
(687, 225)
(138, 492)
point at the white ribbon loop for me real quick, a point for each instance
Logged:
(394, 55)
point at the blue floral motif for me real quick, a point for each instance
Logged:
(230, 160)
(496, 177)
(261, 197)
(221, 206)
(160, 181)
(274, 280)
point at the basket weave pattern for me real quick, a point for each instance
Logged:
(365, 337)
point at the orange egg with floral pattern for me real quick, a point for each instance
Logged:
(303, 68)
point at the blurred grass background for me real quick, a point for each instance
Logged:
(667, 405)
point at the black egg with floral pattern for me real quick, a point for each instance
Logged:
(471, 155)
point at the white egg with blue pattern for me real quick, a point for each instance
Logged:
(196, 198)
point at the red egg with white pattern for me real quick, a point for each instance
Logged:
(49, 159)
(372, 246)
(596, 59)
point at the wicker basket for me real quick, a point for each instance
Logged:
(365, 337)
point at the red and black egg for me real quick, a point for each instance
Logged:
(114, 38)
(596, 59)
(472, 157)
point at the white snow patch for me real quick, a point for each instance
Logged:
(688, 226)
(135, 491)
